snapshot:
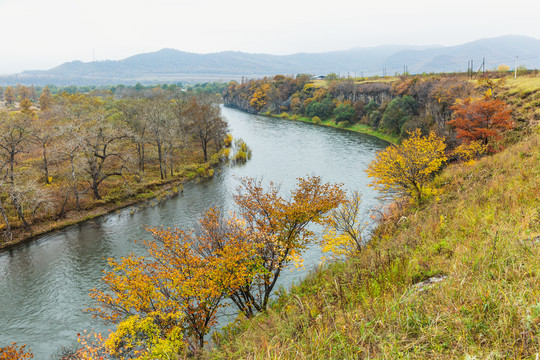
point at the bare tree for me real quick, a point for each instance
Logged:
(14, 134)
(9, 233)
(133, 115)
(97, 147)
(43, 135)
(27, 198)
(69, 148)
(158, 113)
(202, 118)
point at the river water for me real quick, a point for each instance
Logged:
(44, 285)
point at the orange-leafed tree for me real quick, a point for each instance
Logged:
(280, 227)
(408, 167)
(172, 297)
(9, 95)
(45, 99)
(15, 352)
(179, 288)
(26, 108)
(481, 119)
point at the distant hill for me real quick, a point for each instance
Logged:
(174, 65)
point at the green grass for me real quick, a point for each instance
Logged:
(360, 128)
(482, 233)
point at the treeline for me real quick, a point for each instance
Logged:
(396, 108)
(77, 150)
(13, 94)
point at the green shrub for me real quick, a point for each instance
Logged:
(344, 112)
(242, 151)
(201, 171)
(316, 120)
(240, 156)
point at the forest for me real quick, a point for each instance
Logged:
(393, 106)
(64, 154)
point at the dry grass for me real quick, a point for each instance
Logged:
(481, 233)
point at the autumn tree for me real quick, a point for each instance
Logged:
(9, 95)
(132, 114)
(24, 194)
(176, 292)
(202, 118)
(27, 198)
(15, 352)
(159, 115)
(280, 228)
(14, 133)
(26, 108)
(99, 138)
(408, 167)
(32, 94)
(68, 148)
(481, 119)
(44, 135)
(260, 97)
(344, 232)
(23, 92)
(98, 148)
(45, 99)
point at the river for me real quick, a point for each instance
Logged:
(44, 284)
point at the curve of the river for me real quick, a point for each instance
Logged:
(44, 285)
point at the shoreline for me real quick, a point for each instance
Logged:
(167, 189)
(359, 128)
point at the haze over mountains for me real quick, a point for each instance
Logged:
(170, 65)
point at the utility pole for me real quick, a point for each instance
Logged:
(483, 66)
(515, 70)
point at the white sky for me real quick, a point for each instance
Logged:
(40, 34)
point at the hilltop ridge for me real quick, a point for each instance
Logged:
(175, 65)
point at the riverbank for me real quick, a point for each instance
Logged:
(454, 278)
(359, 128)
(155, 190)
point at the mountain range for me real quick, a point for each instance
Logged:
(170, 65)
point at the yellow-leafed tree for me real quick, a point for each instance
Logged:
(408, 167)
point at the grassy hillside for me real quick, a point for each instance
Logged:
(456, 278)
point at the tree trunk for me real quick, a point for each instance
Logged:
(11, 166)
(205, 150)
(20, 213)
(46, 165)
(95, 188)
(160, 156)
(8, 226)
(74, 185)
(62, 211)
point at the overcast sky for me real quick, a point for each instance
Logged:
(40, 34)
